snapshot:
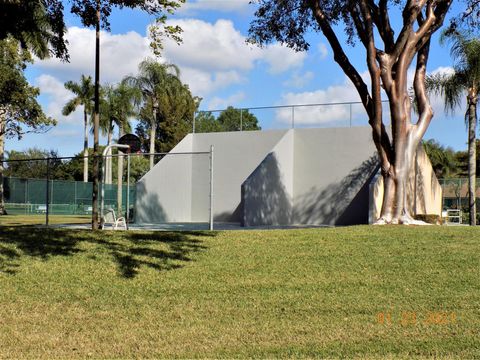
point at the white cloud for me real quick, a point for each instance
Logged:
(119, 55)
(212, 56)
(57, 96)
(214, 52)
(322, 50)
(203, 83)
(447, 70)
(207, 46)
(218, 103)
(192, 7)
(299, 80)
(281, 58)
(324, 114)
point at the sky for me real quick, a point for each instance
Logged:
(221, 68)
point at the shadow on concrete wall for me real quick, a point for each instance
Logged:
(264, 196)
(342, 203)
(148, 208)
(235, 217)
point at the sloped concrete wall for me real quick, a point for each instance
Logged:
(333, 168)
(267, 193)
(164, 194)
(236, 155)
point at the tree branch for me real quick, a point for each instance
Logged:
(424, 108)
(380, 137)
(340, 57)
(410, 14)
(361, 31)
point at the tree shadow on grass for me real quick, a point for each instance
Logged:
(130, 251)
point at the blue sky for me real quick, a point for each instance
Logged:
(221, 68)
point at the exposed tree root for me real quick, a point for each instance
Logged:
(403, 220)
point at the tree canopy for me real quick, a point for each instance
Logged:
(230, 119)
(20, 112)
(37, 24)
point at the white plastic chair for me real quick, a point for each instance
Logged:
(111, 219)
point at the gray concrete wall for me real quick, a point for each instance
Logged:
(236, 156)
(164, 194)
(302, 176)
(332, 170)
(267, 193)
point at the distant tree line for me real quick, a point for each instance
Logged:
(448, 163)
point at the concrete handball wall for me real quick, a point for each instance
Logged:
(164, 194)
(312, 176)
(267, 194)
(177, 189)
(282, 177)
(332, 168)
(236, 155)
(424, 194)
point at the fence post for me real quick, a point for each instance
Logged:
(241, 119)
(75, 199)
(350, 114)
(293, 117)
(47, 203)
(193, 124)
(211, 188)
(127, 215)
(27, 209)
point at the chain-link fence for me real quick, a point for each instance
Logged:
(177, 189)
(455, 197)
(455, 193)
(341, 114)
(29, 196)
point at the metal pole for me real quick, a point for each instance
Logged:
(350, 114)
(241, 119)
(27, 210)
(194, 116)
(127, 215)
(75, 201)
(211, 187)
(47, 208)
(102, 187)
(293, 117)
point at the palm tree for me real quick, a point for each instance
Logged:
(38, 26)
(465, 79)
(152, 82)
(106, 124)
(83, 97)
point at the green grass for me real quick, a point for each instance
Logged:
(20, 220)
(288, 293)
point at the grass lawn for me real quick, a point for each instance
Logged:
(19, 220)
(368, 292)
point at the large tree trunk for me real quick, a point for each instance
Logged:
(153, 129)
(2, 154)
(472, 156)
(405, 139)
(406, 136)
(85, 145)
(120, 175)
